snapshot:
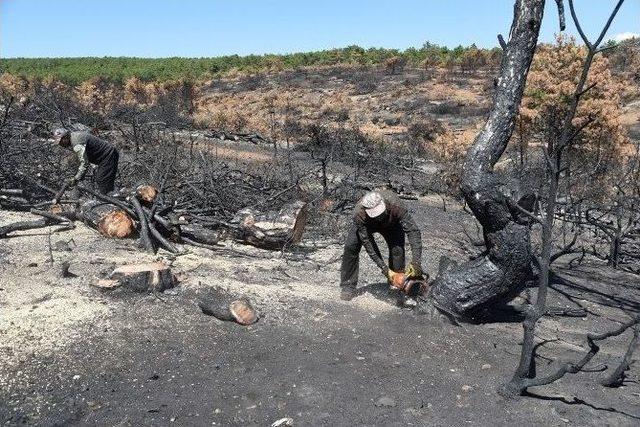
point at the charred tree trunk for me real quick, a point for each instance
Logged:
(270, 230)
(150, 277)
(507, 265)
(108, 219)
(614, 250)
(224, 306)
(199, 234)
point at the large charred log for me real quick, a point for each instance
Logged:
(108, 219)
(505, 268)
(222, 305)
(150, 277)
(270, 230)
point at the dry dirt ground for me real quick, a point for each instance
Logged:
(73, 354)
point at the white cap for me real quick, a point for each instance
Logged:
(60, 133)
(373, 204)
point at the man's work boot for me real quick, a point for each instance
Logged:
(347, 293)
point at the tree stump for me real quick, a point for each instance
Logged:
(271, 230)
(150, 277)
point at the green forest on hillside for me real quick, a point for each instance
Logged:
(118, 69)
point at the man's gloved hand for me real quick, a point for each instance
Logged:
(413, 271)
(390, 274)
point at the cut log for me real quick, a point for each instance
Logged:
(146, 194)
(270, 230)
(108, 219)
(107, 284)
(223, 306)
(243, 312)
(148, 277)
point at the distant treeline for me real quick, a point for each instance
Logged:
(118, 69)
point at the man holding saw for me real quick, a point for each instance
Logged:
(381, 212)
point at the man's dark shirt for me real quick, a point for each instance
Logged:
(89, 149)
(395, 214)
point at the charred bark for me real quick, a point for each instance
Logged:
(199, 234)
(108, 219)
(270, 230)
(224, 306)
(505, 268)
(617, 377)
(150, 277)
(47, 220)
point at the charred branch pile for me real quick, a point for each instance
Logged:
(254, 138)
(134, 212)
(193, 191)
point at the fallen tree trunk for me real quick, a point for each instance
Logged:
(108, 219)
(270, 230)
(503, 272)
(148, 277)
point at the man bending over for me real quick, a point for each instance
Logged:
(380, 212)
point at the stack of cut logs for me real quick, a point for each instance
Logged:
(140, 211)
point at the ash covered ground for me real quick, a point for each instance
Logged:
(75, 354)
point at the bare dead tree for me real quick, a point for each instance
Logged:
(507, 264)
(553, 153)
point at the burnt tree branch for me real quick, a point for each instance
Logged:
(553, 153)
(514, 388)
(617, 376)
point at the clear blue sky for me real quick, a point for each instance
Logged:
(195, 28)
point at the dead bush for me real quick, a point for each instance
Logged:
(366, 86)
(427, 129)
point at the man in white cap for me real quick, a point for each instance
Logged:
(91, 150)
(380, 212)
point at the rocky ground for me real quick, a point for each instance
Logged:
(74, 354)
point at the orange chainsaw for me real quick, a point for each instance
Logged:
(412, 286)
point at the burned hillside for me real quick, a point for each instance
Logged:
(205, 288)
